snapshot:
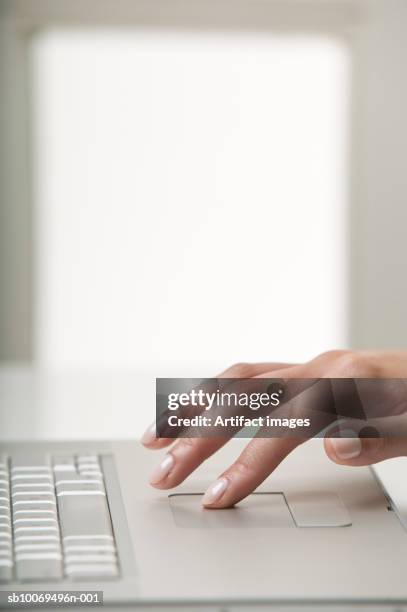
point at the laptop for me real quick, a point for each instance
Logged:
(80, 518)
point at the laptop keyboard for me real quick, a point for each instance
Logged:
(54, 519)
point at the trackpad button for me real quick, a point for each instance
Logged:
(318, 509)
(257, 510)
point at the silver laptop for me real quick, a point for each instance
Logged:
(80, 517)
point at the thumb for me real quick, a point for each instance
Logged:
(364, 451)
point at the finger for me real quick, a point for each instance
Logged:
(255, 463)
(245, 370)
(358, 451)
(185, 456)
(150, 440)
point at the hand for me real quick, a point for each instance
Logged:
(262, 456)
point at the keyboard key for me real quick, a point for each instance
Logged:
(37, 537)
(37, 567)
(35, 531)
(6, 571)
(31, 461)
(29, 472)
(33, 523)
(88, 459)
(89, 548)
(89, 540)
(39, 556)
(6, 561)
(38, 547)
(84, 515)
(34, 511)
(78, 479)
(64, 463)
(4, 537)
(94, 570)
(89, 467)
(32, 505)
(91, 474)
(37, 474)
(32, 486)
(30, 496)
(79, 487)
(92, 556)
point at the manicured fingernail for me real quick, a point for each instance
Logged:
(347, 448)
(149, 436)
(162, 470)
(215, 492)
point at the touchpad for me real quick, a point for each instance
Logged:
(263, 510)
(257, 510)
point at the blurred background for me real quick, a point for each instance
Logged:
(185, 184)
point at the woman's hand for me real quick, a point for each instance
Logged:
(262, 456)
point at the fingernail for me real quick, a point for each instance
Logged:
(149, 435)
(162, 470)
(215, 492)
(347, 448)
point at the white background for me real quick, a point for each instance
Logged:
(190, 198)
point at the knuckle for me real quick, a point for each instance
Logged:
(242, 468)
(187, 444)
(191, 447)
(354, 365)
(332, 355)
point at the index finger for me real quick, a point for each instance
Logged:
(259, 458)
